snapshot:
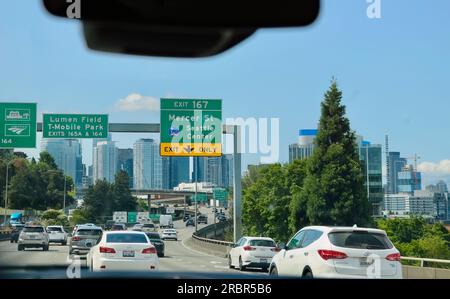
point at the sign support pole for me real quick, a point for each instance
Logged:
(196, 174)
(237, 188)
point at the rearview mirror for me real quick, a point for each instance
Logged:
(182, 28)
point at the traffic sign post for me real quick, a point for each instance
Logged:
(18, 125)
(75, 126)
(191, 127)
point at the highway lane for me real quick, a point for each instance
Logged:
(178, 257)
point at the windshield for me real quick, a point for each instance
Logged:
(33, 229)
(292, 141)
(262, 243)
(154, 236)
(89, 232)
(360, 240)
(126, 238)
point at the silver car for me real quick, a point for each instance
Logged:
(33, 236)
(84, 238)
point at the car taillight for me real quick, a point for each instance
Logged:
(394, 257)
(331, 254)
(107, 250)
(150, 250)
(76, 238)
(247, 248)
(276, 249)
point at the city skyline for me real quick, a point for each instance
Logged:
(279, 62)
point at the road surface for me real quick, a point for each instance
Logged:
(178, 257)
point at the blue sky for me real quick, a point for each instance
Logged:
(393, 72)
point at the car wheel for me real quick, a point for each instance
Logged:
(64, 243)
(229, 263)
(274, 271)
(20, 247)
(11, 241)
(307, 274)
(241, 266)
(45, 248)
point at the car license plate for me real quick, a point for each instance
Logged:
(263, 260)
(128, 253)
(363, 261)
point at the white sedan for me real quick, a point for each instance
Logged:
(123, 251)
(254, 252)
(169, 234)
(338, 252)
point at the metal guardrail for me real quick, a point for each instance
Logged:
(423, 260)
(213, 241)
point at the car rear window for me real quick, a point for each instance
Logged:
(149, 225)
(89, 232)
(126, 238)
(360, 240)
(33, 229)
(118, 226)
(153, 236)
(263, 243)
(54, 229)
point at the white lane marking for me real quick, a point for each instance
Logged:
(221, 267)
(196, 251)
(215, 262)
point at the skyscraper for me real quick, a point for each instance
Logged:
(125, 163)
(409, 180)
(215, 170)
(67, 155)
(147, 165)
(178, 171)
(105, 161)
(305, 146)
(370, 156)
(396, 165)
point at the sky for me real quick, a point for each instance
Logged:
(393, 72)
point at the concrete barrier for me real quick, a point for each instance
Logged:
(413, 272)
(212, 248)
(5, 235)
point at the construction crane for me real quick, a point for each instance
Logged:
(414, 158)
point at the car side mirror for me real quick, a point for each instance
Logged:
(282, 246)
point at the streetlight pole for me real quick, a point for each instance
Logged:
(64, 202)
(6, 193)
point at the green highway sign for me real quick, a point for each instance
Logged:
(220, 194)
(202, 197)
(18, 125)
(75, 126)
(191, 127)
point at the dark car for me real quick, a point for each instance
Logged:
(155, 239)
(16, 229)
(186, 217)
(190, 222)
(222, 218)
(119, 226)
(109, 224)
(202, 219)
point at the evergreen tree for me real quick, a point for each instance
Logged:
(334, 187)
(123, 200)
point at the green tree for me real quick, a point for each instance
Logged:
(334, 186)
(98, 201)
(123, 199)
(46, 158)
(79, 216)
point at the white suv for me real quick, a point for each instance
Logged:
(33, 236)
(57, 234)
(253, 252)
(338, 252)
